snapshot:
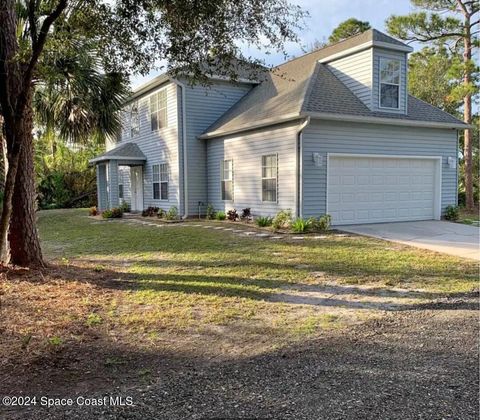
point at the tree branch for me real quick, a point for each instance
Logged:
(463, 8)
(32, 23)
(37, 50)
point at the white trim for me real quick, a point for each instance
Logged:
(106, 158)
(247, 127)
(386, 121)
(184, 146)
(379, 105)
(365, 46)
(299, 168)
(437, 200)
(222, 173)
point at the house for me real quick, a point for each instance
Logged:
(333, 131)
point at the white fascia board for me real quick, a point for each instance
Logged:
(247, 127)
(365, 46)
(387, 121)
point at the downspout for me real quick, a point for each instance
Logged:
(184, 148)
(299, 198)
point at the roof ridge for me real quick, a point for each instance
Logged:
(309, 87)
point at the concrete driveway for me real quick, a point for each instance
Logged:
(449, 238)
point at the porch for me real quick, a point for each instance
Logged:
(120, 177)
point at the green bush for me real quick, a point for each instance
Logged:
(282, 220)
(172, 213)
(113, 213)
(210, 212)
(220, 215)
(161, 214)
(451, 213)
(264, 221)
(301, 225)
(322, 223)
(125, 207)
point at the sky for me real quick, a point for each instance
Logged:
(325, 15)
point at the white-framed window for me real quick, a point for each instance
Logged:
(226, 170)
(120, 191)
(389, 89)
(158, 110)
(164, 181)
(269, 177)
(156, 181)
(160, 181)
(134, 119)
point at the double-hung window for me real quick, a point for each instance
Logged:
(389, 83)
(160, 181)
(269, 177)
(164, 181)
(158, 110)
(227, 180)
(134, 119)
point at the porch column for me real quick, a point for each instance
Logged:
(113, 200)
(102, 198)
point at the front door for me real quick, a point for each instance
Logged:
(136, 173)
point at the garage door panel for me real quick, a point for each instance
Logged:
(371, 189)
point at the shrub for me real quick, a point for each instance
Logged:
(322, 223)
(161, 214)
(301, 225)
(93, 211)
(210, 212)
(150, 211)
(232, 215)
(172, 213)
(113, 213)
(125, 207)
(283, 219)
(220, 215)
(264, 221)
(246, 214)
(451, 213)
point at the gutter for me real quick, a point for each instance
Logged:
(184, 148)
(299, 186)
(381, 120)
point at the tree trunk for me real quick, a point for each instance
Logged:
(23, 236)
(467, 112)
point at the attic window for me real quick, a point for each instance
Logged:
(389, 83)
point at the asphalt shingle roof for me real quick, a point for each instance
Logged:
(303, 85)
(126, 151)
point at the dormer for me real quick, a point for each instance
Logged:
(374, 67)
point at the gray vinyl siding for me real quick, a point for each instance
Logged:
(355, 71)
(159, 146)
(112, 176)
(204, 105)
(402, 57)
(341, 137)
(246, 150)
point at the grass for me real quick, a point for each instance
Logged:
(186, 287)
(469, 217)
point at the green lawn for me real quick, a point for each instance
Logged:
(184, 279)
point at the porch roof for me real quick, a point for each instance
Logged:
(127, 152)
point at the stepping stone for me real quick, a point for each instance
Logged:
(263, 235)
(249, 233)
(228, 229)
(342, 235)
(276, 237)
(207, 227)
(320, 237)
(298, 238)
(218, 228)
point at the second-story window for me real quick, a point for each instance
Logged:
(389, 83)
(134, 119)
(158, 110)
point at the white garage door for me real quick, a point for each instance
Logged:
(368, 189)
